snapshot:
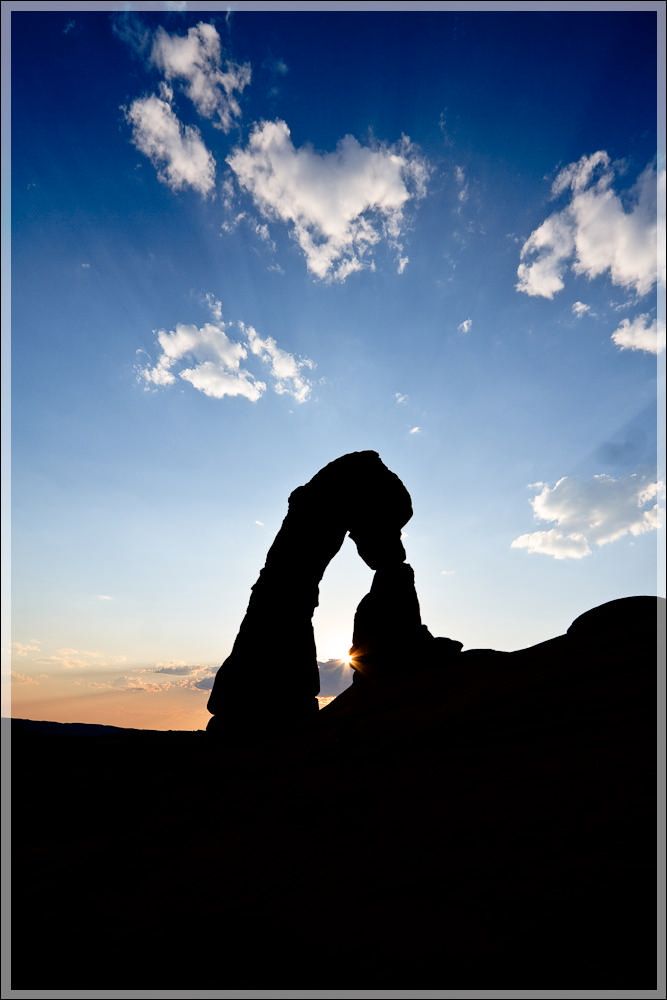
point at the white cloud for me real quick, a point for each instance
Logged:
(554, 543)
(464, 327)
(415, 430)
(176, 151)
(196, 59)
(596, 512)
(217, 360)
(399, 397)
(595, 234)
(285, 369)
(210, 361)
(208, 377)
(641, 334)
(338, 205)
(580, 309)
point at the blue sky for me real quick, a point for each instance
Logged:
(243, 244)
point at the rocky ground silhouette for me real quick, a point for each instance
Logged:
(492, 819)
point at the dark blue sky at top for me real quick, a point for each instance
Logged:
(541, 85)
(519, 93)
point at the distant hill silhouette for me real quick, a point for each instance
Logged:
(488, 816)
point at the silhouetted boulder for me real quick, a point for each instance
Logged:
(270, 679)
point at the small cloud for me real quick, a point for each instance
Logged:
(86, 266)
(80, 659)
(177, 151)
(641, 334)
(214, 305)
(596, 512)
(205, 683)
(17, 678)
(23, 648)
(464, 327)
(177, 669)
(213, 361)
(402, 263)
(554, 543)
(104, 597)
(580, 309)
(415, 430)
(69, 27)
(463, 187)
(260, 523)
(195, 58)
(447, 572)
(399, 397)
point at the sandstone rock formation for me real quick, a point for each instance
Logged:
(389, 637)
(270, 679)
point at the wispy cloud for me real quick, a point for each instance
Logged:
(177, 151)
(415, 430)
(80, 659)
(210, 360)
(641, 334)
(464, 327)
(462, 194)
(337, 205)
(196, 60)
(594, 234)
(23, 648)
(287, 371)
(595, 512)
(400, 397)
(17, 678)
(580, 309)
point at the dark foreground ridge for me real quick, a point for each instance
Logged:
(452, 817)
(492, 820)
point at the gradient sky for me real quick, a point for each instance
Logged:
(244, 244)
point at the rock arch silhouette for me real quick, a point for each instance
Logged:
(270, 680)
